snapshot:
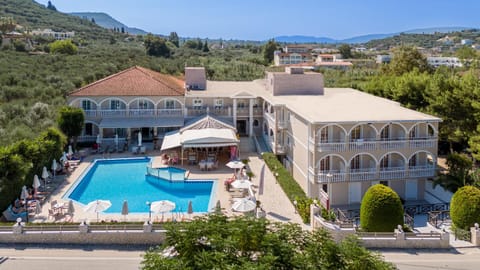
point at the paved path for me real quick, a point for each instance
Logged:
(457, 259)
(69, 258)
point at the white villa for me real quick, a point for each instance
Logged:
(336, 142)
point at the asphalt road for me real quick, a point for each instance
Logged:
(460, 259)
(39, 258)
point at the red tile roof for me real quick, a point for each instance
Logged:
(135, 81)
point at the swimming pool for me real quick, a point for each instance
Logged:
(125, 179)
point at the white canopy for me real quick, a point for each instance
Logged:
(205, 132)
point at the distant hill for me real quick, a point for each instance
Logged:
(106, 21)
(365, 38)
(33, 15)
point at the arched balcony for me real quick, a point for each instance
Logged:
(170, 107)
(331, 168)
(363, 167)
(393, 136)
(392, 166)
(113, 107)
(422, 135)
(141, 107)
(362, 137)
(331, 138)
(89, 106)
(421, 164)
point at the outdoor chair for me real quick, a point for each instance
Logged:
(209, 166)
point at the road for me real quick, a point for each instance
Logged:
(39, 258)
(460, 259)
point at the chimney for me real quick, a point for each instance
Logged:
(195, 78)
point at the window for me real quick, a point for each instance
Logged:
(88, 129)
(197, 103)
(271, 133)
(255, 123)
(143, 104)
(241, 105)
(218, 103)
(356, 133)
(413, 132)
(169, 104)
(385, 134)
(288, 141)
(413, 161)
(355, 163)
(324, 135)
(86, 105)
(325, 188)
(385, 162)
(325, 164)
(114, 104)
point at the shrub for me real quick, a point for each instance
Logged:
(465, 207)
(381, 209)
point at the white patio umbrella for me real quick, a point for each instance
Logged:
(36, 183)
(162, 206)
(70, 150)
(190, 208)
(125, 209)
(70, 209)
(140, 138)
(244, 205)
(24, 193)
(235, 164)
(38, 209)
(45, 175)
(54, 167)
(99, 140)
(97, 206)
(243, 184)
(115, 140)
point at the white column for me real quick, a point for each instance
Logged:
(235, 112)
(250, 118)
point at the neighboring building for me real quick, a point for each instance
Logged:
(466, 42)
(49, 33)
(297, 49)
(283, 58)
(336, 142)
(437, 61)
(383, 59)
(331, 61)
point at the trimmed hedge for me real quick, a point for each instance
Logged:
(381, 210)
(465, 207)
(289, 186)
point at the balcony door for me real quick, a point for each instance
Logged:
(354, 192)
(411, 191)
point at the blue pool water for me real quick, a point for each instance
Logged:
(125, 179)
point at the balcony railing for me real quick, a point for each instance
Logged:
(365, 174)
(421, 171)
(392, 172)
(369, 144)
(141, 113)
(112, 113)
(170, 112)
(331, 176)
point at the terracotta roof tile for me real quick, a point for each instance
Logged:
(135, 81)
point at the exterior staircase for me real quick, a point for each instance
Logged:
(247, 145)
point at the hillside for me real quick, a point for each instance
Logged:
(32, 15)
(366, 38)
(106, 21)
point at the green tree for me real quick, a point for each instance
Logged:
(268, 49)
(459, 172)
(466, 53)
(218, 242)
(205, 47)
(7, 24)
(173, 38)
(71, 120)
(51, 6)
(63, 47)
(156, 46)
(465, 207)
(346, 51)
(406, 59)
(381, 209)
(13, 171)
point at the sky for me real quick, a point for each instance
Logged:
(265, 19)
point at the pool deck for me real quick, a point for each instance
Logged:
(273, 200)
